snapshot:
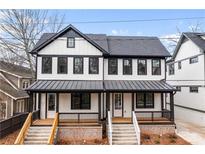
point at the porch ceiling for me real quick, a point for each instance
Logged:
(99, 86)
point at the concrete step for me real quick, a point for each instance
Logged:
(124, 142)
(29, 138)
(124, 139)
(123, 135)
(35, 142)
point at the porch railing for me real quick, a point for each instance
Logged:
(136, 126)
(153, 115)
(53, 130)
(79, 117)
(109, 128)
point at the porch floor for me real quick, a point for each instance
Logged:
(43, 122)
(159, 120)
(121, 120)
(82, 122)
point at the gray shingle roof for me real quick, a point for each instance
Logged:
(96, 86)
(121, 45)
(7, 88)
(15, 69)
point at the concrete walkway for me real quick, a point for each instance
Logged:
(191, 132)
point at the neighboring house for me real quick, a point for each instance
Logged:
(13, 80)
(186, 71)
(85, 75)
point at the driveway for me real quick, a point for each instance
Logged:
(191, 132)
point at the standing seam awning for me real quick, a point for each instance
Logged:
(100, 86)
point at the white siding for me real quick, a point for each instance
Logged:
(59, 47)
(134, 75)
(43, 103)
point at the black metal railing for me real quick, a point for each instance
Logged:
(36, 115)
(153, 115)
(12, 124)
(79, 117)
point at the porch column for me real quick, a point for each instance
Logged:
(172, 106)
(39, 105)
(57, 102)
(133, 103)
(99, 106)
(31, 102)
(107, 102)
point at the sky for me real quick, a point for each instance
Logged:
(148, 28)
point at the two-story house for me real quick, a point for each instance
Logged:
(85, 75)
(186, 71)
(13, 80)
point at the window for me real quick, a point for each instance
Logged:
(127, 66)
(46, 65)
(51, 102)
(142, 67)
(179, 65)
(118, 101)
(78, 65)
(171, 69)
(25, 84)
(80, 101)
(193, 60)
(156, 67)
(93, 65)
(71, 42)
(194, 89)
(2, 110)
(178, 88)
(145, 100)
(62, 65)
(112, 66)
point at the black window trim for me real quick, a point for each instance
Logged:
(191, 91)
(82, 64)
(73, 42)
(179, 65)
(173, 69)
(145, 107)
(159, 67)
(71, 107)
(97, 65)
(123, 60)
(66, 65)
(190, 60)
(55, 101)
(138, 66)
(42, 64)
(109, 67)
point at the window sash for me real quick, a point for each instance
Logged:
(93, 65)
(144, 100)
(78, 65)
(51, 102)
(80, 101)
(47, 65)
(127, 66)
(171, 69)
(112, 66)
(70, 42)
(179, 65)
(62, 65)
(142, 67)
(156, 67)
(194, 89)
(193, 60)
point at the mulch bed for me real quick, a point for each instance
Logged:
(166, 139)
(9, 139)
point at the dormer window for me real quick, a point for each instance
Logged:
(71, 42)
(25, 84)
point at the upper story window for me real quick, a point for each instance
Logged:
(171, 69)
(127, 66)
(78, 65)
(47, 65)
(62, 65)
(145, 100)
(179, 65)
(93, 65)
(112, 66)
(25, 84)
(142, 67)
(71, 42)
(80, 101)
(178, 88)
(193, 60)
(156, 67)
(194, 89)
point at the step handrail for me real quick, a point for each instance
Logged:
(136, 127)
(53, 129)
(21, 136)
(109, 128)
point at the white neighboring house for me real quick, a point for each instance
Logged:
(82, 76)
(13, 80)
(186, 71)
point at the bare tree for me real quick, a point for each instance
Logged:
(21, 29)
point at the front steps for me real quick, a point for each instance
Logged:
(38, 135)
(123, 134)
